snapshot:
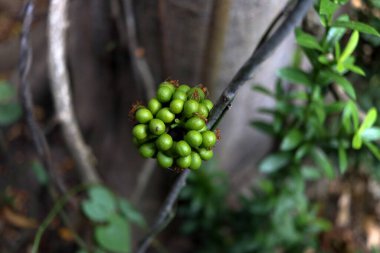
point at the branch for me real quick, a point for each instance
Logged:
(25, 61)
(57, 24)
(259, 55)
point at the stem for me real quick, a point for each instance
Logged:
(259, 55)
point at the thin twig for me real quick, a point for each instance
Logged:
(140, 66)
(57, 24)
(27, 101)
(162, 219)
(244, 74)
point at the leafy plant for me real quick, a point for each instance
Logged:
(10, 109)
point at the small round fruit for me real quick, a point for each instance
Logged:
(206, 154)
(165, 115)
(164, 161)
(157, 127)
(190, 107)
(209, 139)
(196, 161)
(195, 123)
(164, 94)
(154, 105)
(140, 131)
(176, 106)
(184, 162)
(183, 148)
(164, 142)
(196, 93)
(203, 110)
(143, 115)
(167, 84)
(178, 94)
(193, 138)
(184, 87)
(208, 104)
(147, 150)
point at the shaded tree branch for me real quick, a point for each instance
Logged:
(57, 24)
(245, 73)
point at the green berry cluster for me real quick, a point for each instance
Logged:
(172, 127)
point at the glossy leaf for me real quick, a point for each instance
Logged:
(373, 148)
(310, 173)
(306, 40)
(341, 81)
(294, 75)
(369, 119)
(274, 162)
(291, 140)
(357, 141)
(342, 155)
(350, 47)
(263, 90)
(355, 25)
(371, 134)
(321, 159)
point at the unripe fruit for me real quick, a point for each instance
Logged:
(147, 150)
(196, 93)
(165, 115)
(195, 123)
(178, 94)
(209, 139)
(190, 107)
(184, 162)
(208, 104)
(164, 160)
(167, 84)
(164, 94)
(164, 142)
(206, 154)
(176, 106)
(140, 131)
(143, 115)
(203, 111)
(193, 138)
(183, 148)
(156, 126)
(183, 87)
(154, 106)
(196, 161)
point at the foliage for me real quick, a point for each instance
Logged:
(10, 109)
(111, 216)
(319, 127)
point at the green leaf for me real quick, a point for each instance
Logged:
(357, 141)
(371, 134)
(274, 162)
(335, 34)
(335, 107)
(294, 75)
(342, 159)
(321, 159)
(350, 116)
(310, 173)
(291, 140)
(350, 47)
(263, 90)
(101, 204)
(306, 40)
(263, 126)
(355, 25)
(369, 119)
(9, 113)
(131, 213)
(373, 148)
(40, 173)
(7, 93)
(302, 151)
(355, 69)
(341, 81)
(327, 9)
(115, 236)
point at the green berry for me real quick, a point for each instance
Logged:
(196, 94)
(193, 138)
(140, 131)
(206, 154)
(164, 94)
(184, 162)
(164, 161)
(176, 106)
(190, 107)
(164, 142)
(203, 110)
(195, 123)
(208, 104)
(180, 95)
(157, 127)
(143, 115)
(165, 115)
(184, 88)
(209, 139)
(196, 161)
(154, 105)
(167, 84)
(183, 148)
(147, 150)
